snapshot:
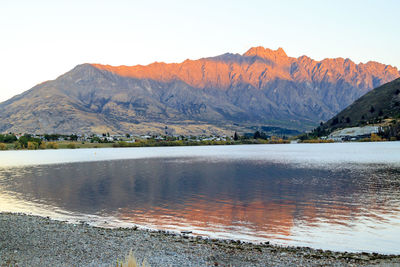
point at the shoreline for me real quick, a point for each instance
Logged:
(79, 146)
(122, 144)
(27, 240)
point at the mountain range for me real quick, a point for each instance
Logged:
(260, 88)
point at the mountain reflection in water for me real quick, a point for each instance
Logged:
(343, 209)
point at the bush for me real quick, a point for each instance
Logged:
(276, 140)
(376, 138)
(131, 261)
(17, 145)
(32, 145)
(3, 146)
(42, 145)
(52, 145)
(71, 146)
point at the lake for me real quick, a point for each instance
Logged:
(342, 196)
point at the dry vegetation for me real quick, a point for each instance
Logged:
(374, 138)
(316, 141)
(131, 261)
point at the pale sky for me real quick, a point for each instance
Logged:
(40, 40)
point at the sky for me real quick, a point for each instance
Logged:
(42, 39)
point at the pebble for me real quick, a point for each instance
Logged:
(27, 240)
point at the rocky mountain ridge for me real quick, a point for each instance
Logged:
(262, 87)
(257, 67)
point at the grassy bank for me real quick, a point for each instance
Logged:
(140, 143)
(55, 145)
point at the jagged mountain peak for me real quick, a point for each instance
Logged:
(265, 53)
(258, 67)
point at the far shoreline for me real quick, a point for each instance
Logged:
(78, 145)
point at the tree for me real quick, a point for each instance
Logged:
(95, 139)
(235, 136)
(372, 109)
(7, 138)
(257, 135)
(51, 137)
(23, 140)
(26, 139)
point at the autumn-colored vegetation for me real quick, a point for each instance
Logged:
(374, 138)
(51, 145)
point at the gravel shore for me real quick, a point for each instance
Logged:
(27, 240)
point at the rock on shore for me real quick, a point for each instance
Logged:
(36, 241)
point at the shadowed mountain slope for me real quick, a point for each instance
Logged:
(376, 106)
(262, 87)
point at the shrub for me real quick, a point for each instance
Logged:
(131, 261)
(3, 146)
(17, 145)
(32, 145)
(376, 138)
(276, 140)
(42, 145)
(52, 145)
(136, 144)
(71, 146)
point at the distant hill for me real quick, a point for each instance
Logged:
(260, 88)
(378, 106)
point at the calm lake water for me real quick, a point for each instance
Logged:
(342, 197)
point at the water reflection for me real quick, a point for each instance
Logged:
(247, 199)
